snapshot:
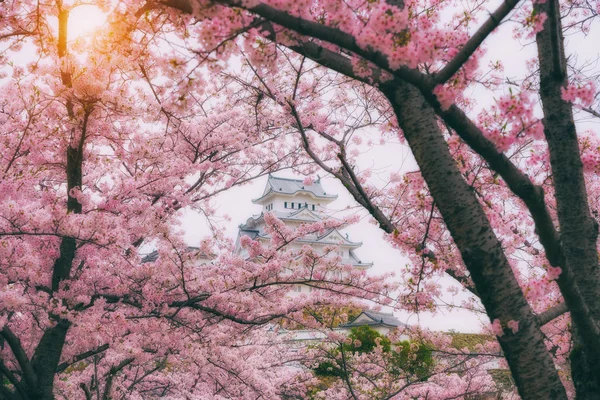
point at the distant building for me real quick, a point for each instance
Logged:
(382, 322)
(295, 203)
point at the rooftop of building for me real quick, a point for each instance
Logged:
(373, 318)
(290, 187)
(331, 236)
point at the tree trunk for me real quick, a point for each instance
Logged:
(578, 229)
(530, 363)
(46, 358)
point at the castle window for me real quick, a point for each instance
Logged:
(285, 204)
(292, 205)
(313, 207)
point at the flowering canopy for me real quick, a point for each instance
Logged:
(108, 136)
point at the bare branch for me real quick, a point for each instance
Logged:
(111, 374)
(15, 345)
(552, 313)
(61, 367)
(475, 41)
(592, 112)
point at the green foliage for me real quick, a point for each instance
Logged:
(368, 338)
(402, 358)
(328, 368)
(469, 340)
(503, 380)
(330, 316)
(414, 359)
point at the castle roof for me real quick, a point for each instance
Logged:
(332, 236)
(291, 187)
(303, 215)
(374, 318)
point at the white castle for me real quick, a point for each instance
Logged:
(294, 203)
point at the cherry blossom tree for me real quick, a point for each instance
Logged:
(107, 137)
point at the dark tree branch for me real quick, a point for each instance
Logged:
(578, 228)
(86, 391)
(47, 355)
(480, 248)
(552, 313)
(13, 379)
(13, 341)
(346, 374)
(475, 41)
(61, 367)
(591, 112)
(111, 374)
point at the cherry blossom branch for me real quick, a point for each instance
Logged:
(15, 345)
(159, 365)
(578, 228)
(347, 176)
(349, 180)
(16, 33)
(591, 112)
(475, 41)
(316, 30)
(13, 379)
(533, 197)
(346, 375)
(86, 391)
(111, 374)
(481, 250)
(82, 356)
(234, 374)
(517, 181)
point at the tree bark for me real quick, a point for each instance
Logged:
(529, 361)
(578, 229)
(46, 358)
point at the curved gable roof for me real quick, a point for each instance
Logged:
(373, 318)
(291, 187)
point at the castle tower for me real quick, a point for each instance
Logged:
(295, 203)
